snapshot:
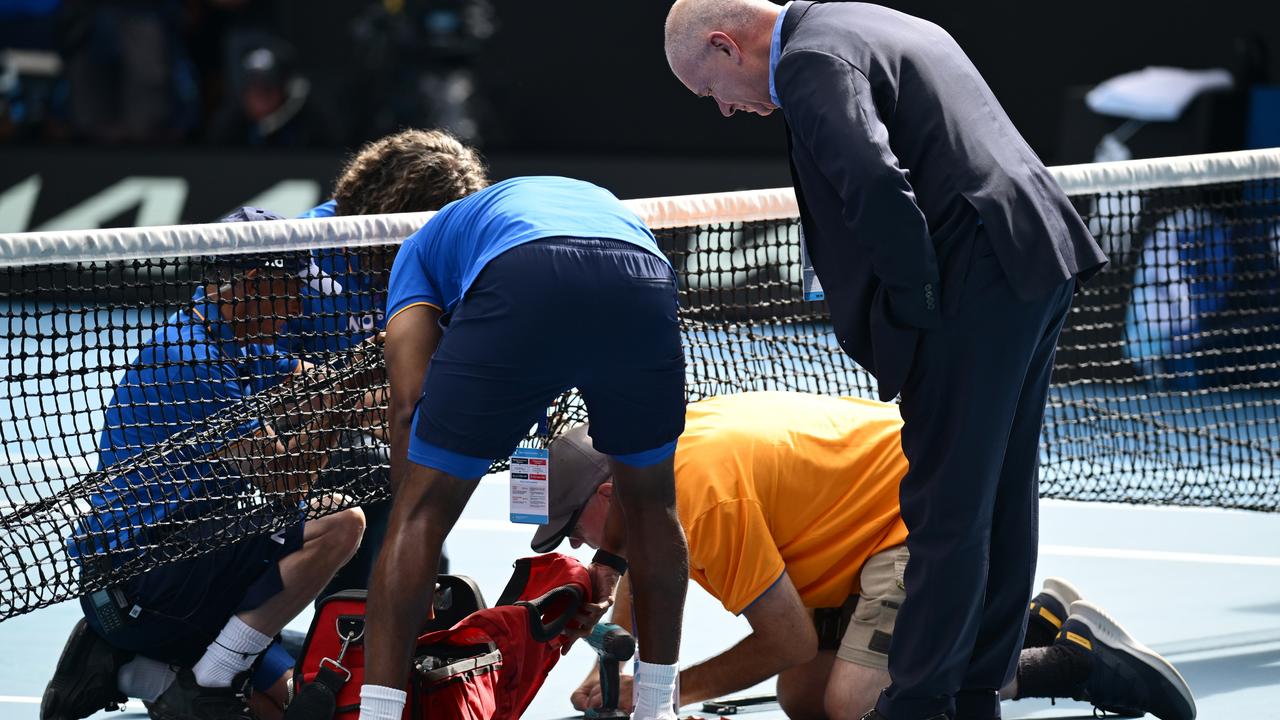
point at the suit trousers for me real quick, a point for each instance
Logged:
(973, 404)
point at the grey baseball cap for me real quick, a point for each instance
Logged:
(576, 471)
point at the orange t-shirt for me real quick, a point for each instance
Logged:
(767, 481)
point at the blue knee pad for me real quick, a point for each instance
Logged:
(275, 662)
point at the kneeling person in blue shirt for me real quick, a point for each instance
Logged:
(211, 615)
(502, 301)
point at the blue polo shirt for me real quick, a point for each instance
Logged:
(333, 323)
(191, 368)
(438, 263)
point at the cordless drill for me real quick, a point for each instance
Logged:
(614, 646)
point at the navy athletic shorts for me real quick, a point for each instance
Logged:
(183, 605)
(541, 318)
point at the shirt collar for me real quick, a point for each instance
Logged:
(775, 52)
(205, 312)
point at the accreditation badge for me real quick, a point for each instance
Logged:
(809, 283)
(530, 480)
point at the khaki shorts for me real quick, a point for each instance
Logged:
(870, 630)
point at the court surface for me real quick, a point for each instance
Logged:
(1201, 587)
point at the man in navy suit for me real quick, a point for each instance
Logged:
(948, 256)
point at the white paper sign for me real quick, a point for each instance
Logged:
(809, 282)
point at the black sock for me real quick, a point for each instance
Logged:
(1040, 632)
(1057, 671)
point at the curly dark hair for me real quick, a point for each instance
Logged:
(409, 171)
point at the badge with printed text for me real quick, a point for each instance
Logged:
(530, 477)
(809, 282)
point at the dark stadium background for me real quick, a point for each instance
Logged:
(581, 88)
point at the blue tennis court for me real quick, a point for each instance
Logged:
(1200, 586)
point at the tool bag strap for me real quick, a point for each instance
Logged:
(318, 699)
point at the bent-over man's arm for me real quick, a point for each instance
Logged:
(412, 337)
(782, 636)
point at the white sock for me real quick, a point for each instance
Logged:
(381, 703)
(144, 678)
(234, 650)
(655, 689)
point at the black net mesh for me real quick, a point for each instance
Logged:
(135, 432)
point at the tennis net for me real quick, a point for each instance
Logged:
(126, 443)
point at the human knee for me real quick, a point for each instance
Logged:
(351, 530)
(801, 688)
(852, 690)
(342, 534)
(801, 706)
(352, 527)
(848, 703)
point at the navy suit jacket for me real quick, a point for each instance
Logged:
(898, 147)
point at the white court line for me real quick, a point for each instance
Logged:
(1159, 555)
(1200, 655)
(131, 706)
(492, 526)
(1087, 505)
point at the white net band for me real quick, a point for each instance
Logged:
(77, 246)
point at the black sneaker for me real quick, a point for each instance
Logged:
(1126, 677)
(187, 700)
(84, 681)
(1048, 611)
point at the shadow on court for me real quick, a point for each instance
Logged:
(1234, 666)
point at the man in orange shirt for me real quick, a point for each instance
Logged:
(789, 502)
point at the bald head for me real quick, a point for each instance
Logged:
(720, 48)
(689, 22)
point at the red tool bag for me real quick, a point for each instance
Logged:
(488, 664)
